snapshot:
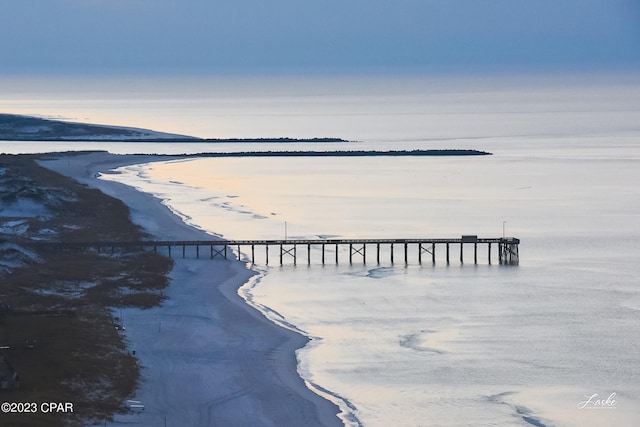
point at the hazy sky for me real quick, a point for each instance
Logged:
(292, 36)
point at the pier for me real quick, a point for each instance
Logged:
(324, 251)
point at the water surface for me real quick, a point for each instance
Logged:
(422, 345)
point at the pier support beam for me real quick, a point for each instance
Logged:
(469, 239)
(508, 251)
(430, 250)
(222, 252)
(291, 251)
(507, 248)
(361, 251)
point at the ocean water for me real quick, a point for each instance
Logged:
(440, 345)
(436, 344)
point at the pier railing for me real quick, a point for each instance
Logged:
(292, 250)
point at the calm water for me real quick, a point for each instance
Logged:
(438, 345)
(424, 345)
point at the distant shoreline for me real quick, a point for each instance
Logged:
(284, 140)
(34, 129)
(351, 153)
(14, 127)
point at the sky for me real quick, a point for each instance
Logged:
(322, 36)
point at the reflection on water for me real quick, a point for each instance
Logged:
(458, 344)
(422, 344)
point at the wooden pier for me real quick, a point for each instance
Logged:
(329, 250)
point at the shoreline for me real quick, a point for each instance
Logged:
(208, 356)
(18, 127)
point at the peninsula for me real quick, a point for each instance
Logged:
(29, 128)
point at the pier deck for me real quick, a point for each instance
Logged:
(329, 250)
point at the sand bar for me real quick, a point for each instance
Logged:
(208, 358)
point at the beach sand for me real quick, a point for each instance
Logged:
(207, 357)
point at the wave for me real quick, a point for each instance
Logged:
(347, 409)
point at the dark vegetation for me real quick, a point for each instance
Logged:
(26, 128)
(351, 153)
(60, 325)
(276, 140)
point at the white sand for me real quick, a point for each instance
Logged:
(208, 358)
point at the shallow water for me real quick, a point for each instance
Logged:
(431, 345)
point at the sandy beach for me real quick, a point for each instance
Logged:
(207, 357)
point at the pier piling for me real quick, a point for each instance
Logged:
(508, 248)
